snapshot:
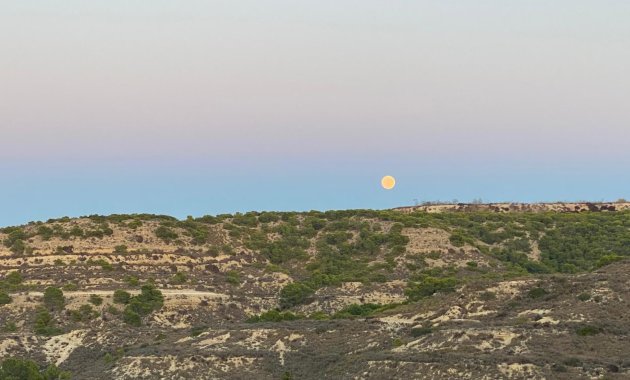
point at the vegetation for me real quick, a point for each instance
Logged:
(54, 298)
(23, 369)
(4, 298)
(85, 313)
(274, 316)
(121, 297)
(96, 300)
(150, 299)
(45, 324)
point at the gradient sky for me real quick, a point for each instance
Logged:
(202, 107)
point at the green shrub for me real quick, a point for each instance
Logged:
(4, 298)
(44, 323)
(233, 277)
(13, 278)
(23, 369)
(166, 234)
(428, 286)
(85, 313)
(121, 297)
(295, 294)
(179, 278)
(96, 300)
(53, 298)
(197, 330)
(588, 330)
(358, 310)
(537, 293)
(132, 318)
(274, 316)
(120, 249)
(9, 326)
(584, 297)
(420, 331)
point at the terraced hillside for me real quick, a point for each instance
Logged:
(465, 292)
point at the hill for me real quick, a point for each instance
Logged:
(435, 291)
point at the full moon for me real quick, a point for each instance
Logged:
(388, 182)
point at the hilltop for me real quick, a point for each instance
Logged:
(436, 291)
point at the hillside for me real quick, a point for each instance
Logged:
(435, 291)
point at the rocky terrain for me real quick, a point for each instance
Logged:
(437, 292)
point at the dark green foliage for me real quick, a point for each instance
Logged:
(295, 294)
(96, 300)
(584, 297)
(274, 316)
(197, 330)
(360, 310)
(132, 318)
(487, 296)
(420, 331)
(537, 293)
(150, 299)
(120, 249)
(179, 278)
(233, 277)
(121, 296)
(166, 234)
(13, 278)
(45, 324)
(246, 220)
(22, 369)
(106, 265)
(588, 330)
(53, 298)
(4, 298)
(85, 313)
(428, 285)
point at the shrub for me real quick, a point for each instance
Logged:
(166, 234)
(197, 330)
(179, 278)
(44, 323)
(420, 331)
(132, 318)
(53, 298)
(18, 369)
(274, 316)
(4, 298)
(85, 313)
(96, 300)
(121, 296)
(120, 249)
(295, 294)
(588, 330)
(537, 293)
(13, 278)
(358, 310)
(428, 286)
(584, 297)
(233, 277)
(487, 296)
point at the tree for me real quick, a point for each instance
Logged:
(121, 296)
(295, 294)
(53, 298)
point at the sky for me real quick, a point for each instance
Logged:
(204, 107)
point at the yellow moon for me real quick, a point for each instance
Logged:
(388, 182)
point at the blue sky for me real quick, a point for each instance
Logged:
(223, 106)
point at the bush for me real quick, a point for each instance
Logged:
(23, 369)
(4, 298)
(274, 316)
(132, 318)
(53, 298)
(428, 286)
(358, 310)
(121, 296)
(179, 278)
(96, 300)
(85, 313)
(537, 293)
(584, 297)
(166, 234)
(420, 331)
(120, 249)
(150, 299)
(233, 277)
(295, 294)
(44, 323)
(13, 278)
(588, 330)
